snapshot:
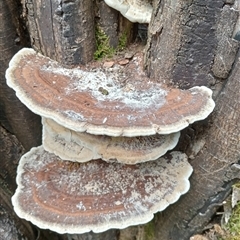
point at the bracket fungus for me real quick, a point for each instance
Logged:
(95, 196)
(123, 103)
(82, 147)
(134, 10)
(91, 113)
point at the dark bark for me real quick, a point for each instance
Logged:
(14, 116)
(214, 169)
(188, 39)
(108, 22)
(114, 25)
(62, 30)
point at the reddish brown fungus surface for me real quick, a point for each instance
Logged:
(111, 101)
(79, 197)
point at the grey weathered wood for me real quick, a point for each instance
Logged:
(14, 116)
(62, 30)
(114, 25)
(227, 46)
(213, 171)
(183, 39)
(108, 22)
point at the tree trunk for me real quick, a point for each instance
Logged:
(14, 116)
(62, 30)
(216, 167)
(193, 42)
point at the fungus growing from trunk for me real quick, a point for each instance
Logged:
(82, 147)
(95, 196)
(135, 11)
(120, 102)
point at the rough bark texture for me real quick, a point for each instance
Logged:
(227, 46)
(114, 25)
(184, 37)
(14, 116)
(108, 22)
(62, 30)
(214, 168)
(191, 42)
(11, 226)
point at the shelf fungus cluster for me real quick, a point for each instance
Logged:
(112, 127)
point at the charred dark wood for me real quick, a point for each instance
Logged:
(214, 170)
(11, 226)
(187, 40)
(62, 30)
(14, 116)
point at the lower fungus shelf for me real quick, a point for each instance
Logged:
(69, 197)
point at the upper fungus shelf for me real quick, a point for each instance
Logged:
(114, 102)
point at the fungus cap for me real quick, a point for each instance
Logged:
(115, 103)
(68, 197)
(82, 147)
(135, 11)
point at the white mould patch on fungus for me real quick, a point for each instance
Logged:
(96, 196)
(80, 206)
(105, 86)
(73, 115)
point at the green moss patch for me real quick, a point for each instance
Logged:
(103, 47)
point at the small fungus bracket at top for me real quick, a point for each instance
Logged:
(124, 102)
(134, 10)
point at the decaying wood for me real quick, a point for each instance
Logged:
(62, 30)
(114, 25)
(14, 116)
(184, 37)
(227, 46)
(108, 22)
(214, 170)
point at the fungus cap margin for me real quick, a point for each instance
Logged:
(148, 109)
(82, 147)
(96, 196)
